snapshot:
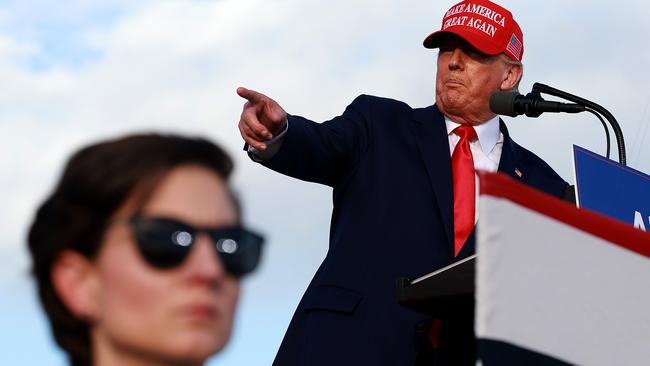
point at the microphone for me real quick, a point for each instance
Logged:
(513, 104)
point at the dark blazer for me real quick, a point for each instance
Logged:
(390, 169)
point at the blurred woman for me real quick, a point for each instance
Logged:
(139, 250)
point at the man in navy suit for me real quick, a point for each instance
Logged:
(404, 202)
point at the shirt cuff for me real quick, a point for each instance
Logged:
(272, 146)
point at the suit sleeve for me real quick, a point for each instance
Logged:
(324, 152)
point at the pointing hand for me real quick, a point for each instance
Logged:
(262, 118)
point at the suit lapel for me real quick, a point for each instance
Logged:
(509, 163)
(428, 127)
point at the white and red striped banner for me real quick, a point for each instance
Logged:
(558, 283)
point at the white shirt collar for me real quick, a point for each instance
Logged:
(487, 132)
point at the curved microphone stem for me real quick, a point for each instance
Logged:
(602, 121)
(620, 142)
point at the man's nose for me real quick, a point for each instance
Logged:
(457, 59)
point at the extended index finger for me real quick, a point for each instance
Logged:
(250, 95)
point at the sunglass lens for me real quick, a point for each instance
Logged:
(163, 243)
(239, 250)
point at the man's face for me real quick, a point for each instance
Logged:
(466, 79)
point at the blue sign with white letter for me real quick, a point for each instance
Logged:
(612, 189)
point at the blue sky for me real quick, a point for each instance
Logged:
(56, 30)
(76, 71)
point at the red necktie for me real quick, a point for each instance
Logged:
(462, 171)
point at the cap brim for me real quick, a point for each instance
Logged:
(434, 39)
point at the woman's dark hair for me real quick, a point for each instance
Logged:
(96, 182)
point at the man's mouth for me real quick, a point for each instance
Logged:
(453, 82)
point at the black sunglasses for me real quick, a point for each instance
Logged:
(166, 242)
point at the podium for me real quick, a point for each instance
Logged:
(554, 284)
(440, 292)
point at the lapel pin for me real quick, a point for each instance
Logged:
(518, 172)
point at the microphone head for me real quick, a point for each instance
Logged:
(503, 103)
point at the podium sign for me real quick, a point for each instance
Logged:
(612, 189)
(558, 285)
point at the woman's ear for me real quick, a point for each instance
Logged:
(75, 282)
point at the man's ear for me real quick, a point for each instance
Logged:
(75, 281)
(512, 75)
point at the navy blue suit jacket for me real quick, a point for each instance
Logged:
(390, 169)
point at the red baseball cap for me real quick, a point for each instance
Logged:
(487, 26)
